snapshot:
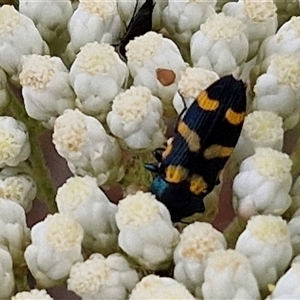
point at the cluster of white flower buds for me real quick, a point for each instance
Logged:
(62, 72)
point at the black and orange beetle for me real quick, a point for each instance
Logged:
(189, 167)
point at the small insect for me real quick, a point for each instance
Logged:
(189, 167)
(140, 23)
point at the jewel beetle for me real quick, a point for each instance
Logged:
(189, 167)
(140, 23)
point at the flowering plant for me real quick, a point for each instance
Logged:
(78, 123)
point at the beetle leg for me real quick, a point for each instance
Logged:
(157, 153)
(184, 105)
(152, 168)
(182, 112)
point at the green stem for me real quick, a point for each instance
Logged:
(233, 230)
(38, 169)
(135, 171)
(295, 157)
(41, 174)
(22, 283)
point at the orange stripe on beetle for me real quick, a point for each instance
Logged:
(198, 185)
(206, 103)
(190, 136)
(176, 174)
(217, 151)
(234, 118)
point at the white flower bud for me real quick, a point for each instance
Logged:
(286, 41)
(155, 62)
(4, 97)
(50, 18)
(18, 36)
(6, 274)
(146, 231)
(81, 198)
(183, 18)
(14, 142)
(155, 287)
(278, 89)
(196, 242)
(260, 129)
(294, 227)
(267, 245)
(259, 17)
(86, 146)
(102, 278)
(97, 76)
(220, 45)
(136, 119)
(17, 187)
(55, 247)
(192, 82)
(32, 295)
(14, 234)
(263, 184)
(288, 286)
(46, 88)
(231, 270)
(93, 21)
